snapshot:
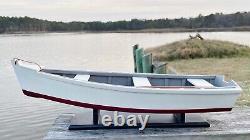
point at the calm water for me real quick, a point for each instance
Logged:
(23, 117)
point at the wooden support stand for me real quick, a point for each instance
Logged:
(179, 121)
(180, 118)
(96, 115)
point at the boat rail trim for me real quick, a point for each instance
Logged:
(132, 89)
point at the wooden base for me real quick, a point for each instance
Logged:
(175, 121)
(149, 125)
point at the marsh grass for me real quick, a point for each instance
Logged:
(196, 48)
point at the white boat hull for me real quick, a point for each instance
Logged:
(100, 96)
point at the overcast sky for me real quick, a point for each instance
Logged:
(106, 10)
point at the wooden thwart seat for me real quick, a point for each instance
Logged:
(200, 83)
(82, 77)
(141, 81)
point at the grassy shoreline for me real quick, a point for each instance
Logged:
(196, 48)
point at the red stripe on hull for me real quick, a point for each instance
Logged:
(111, 108)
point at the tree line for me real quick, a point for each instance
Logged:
(218, 20)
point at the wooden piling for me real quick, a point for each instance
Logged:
(147, 63)
(139, 54)
(144, 63)
(135, 47)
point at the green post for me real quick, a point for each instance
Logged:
(135, 47)
(139, 54)
(160, 68)
(147, 63)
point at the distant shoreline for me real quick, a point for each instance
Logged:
(179, 30)
(239, 21)
(162, 30)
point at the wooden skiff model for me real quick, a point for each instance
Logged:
(128, 92)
